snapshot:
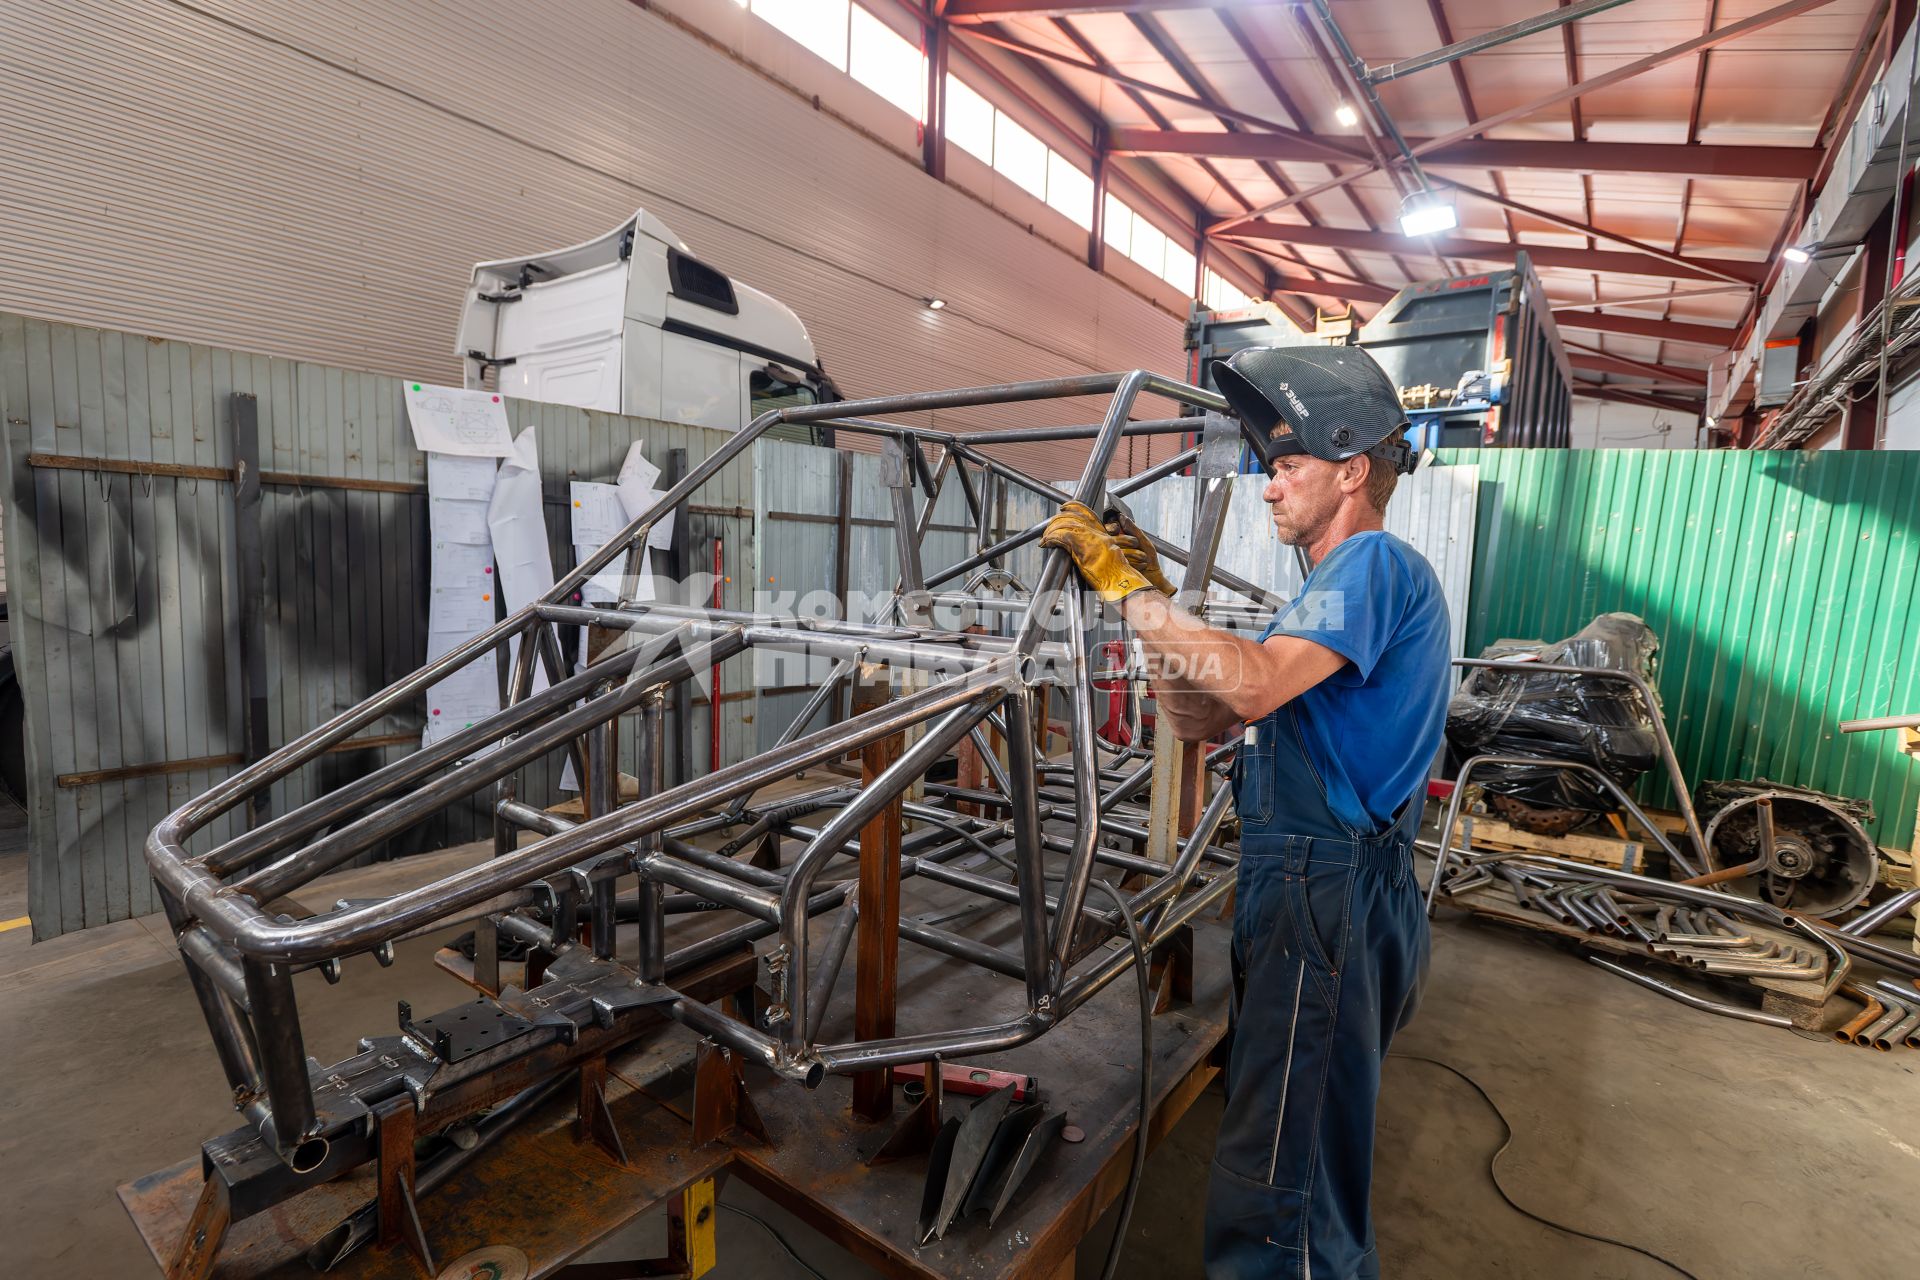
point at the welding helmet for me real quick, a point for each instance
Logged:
(1332, 402)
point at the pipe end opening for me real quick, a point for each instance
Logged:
(309, 1155)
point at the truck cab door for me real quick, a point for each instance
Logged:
(699, 382)
(773, 386)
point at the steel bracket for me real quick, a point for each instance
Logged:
(722, 1107)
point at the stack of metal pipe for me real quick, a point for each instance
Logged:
(1707, 930)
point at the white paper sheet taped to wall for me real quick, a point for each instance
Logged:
(599, 511)
(637, 495)
(460, 479)
(463, 593)
(458, 422)
(457, 520)
(518, 523)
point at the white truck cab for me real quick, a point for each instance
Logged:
(631, 322)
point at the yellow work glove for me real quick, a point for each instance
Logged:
(1139, 551)
(1100, 559)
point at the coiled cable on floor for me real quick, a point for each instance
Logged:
(1146, 1077)
(779, 1239)
(1493, 1172)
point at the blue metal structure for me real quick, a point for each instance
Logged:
(1477, 358)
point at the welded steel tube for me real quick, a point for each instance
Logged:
(840, 1059)
(841, 828)
(1086, 796)
(282, 1053)
(410, 770)
(216, 964)
(1029, 854)
(1873, 917)
(1683, 794)
(343, 845)
(963, 948)
(650, 763)
(236, 921)
(820, 994)
(1034, 435)
(603, 797)
(1692, 1000)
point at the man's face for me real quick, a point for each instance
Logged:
(1303, 492)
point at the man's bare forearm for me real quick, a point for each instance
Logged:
(1192, 717)
(1185, 656)
(1211, 678)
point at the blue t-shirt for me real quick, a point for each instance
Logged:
(1371, 728)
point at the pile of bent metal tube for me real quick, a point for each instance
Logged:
(1705, 930)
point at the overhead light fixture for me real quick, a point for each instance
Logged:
(935, 304)
(1423, 213)
(1795, 253)
(1346, 115)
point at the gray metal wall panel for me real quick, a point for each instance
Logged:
(124, 613)
(315, 181)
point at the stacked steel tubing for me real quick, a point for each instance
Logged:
(1708, 938)
(1835, 940)
(1889, 1018)
(1907, 1030)
(241, 960)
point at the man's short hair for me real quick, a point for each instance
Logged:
(1382, 475)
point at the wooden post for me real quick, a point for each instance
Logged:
(876, 966)
(1193, 787)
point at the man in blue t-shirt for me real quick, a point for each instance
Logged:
(1342, 702)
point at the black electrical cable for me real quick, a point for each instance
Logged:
(1493, 1173)
(781, 1240)
(1146, 1077)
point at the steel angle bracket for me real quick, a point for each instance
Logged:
(1039, 1138)
(610, 1004)
(938, 1162)
(593, 1119)
(971, 1144)
(1008, 1139)
(722, 1107)
(920, 1129)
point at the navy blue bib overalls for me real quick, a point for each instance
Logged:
(1329, 951)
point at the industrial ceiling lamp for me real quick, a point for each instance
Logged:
(1423, 213)
(1346, 115)
(936, 304)
(1796, 253)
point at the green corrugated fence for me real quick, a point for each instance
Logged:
(1782, 587)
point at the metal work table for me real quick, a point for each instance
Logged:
(552, 1197)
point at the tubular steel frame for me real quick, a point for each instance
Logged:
(312, 1122)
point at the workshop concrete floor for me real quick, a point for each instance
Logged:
(1735, 1150)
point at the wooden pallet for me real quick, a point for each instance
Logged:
(1488, 832)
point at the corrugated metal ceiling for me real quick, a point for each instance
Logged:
(1775, 86)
